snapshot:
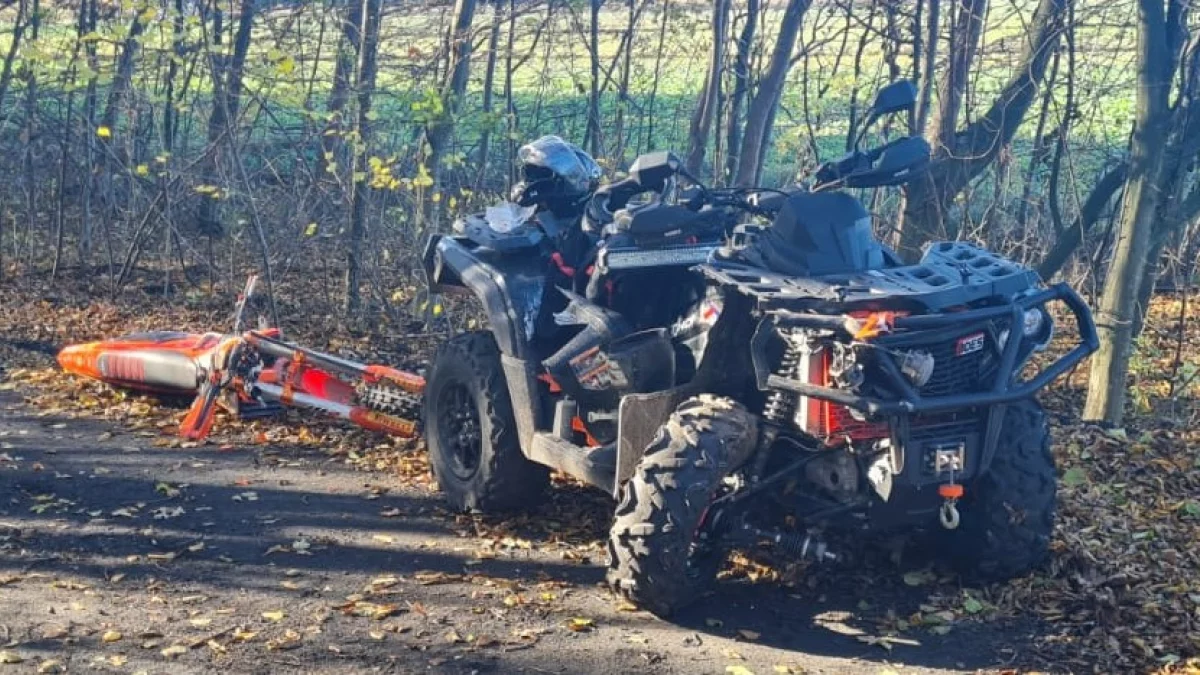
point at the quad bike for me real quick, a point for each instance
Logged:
(251, 374)
(750, 367)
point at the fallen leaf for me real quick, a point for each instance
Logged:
(580, 625)
(11, 657)
(787, 670)
(738, 670)
(174, 651)
(51, 666)
(276, 615)
(111, 636)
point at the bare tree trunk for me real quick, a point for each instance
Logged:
(510, 108)
(592, 134)
(489, 81)
(960, 157)
(1115, 316)
(710, 97)
(623, 84)
(761, 113)
(343, 72)
(1089, 214)
(440, 132)
(227, 93)
(928, 68)
(19, 25)
(124, 75)
(367, 68)
(964, 40)
(658, 60)
(741, 85)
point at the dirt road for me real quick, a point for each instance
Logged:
(120, 556)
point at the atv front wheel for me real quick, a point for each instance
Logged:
(471, 432)
(1007, 517)
(653, 557)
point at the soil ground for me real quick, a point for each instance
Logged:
(120, 556)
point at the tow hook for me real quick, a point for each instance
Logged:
(948, 514)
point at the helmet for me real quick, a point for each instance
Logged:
(555, 175)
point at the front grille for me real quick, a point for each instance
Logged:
(952, 373)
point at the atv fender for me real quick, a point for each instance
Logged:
(511, 288)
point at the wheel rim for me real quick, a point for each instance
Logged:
(459, 430)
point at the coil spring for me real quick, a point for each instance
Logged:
(781, 405)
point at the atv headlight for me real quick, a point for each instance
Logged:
(1036, 326)
(1033, 322)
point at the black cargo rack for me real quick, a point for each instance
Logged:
(949, 274)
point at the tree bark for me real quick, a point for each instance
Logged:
(710, 97)
(1089, 214)
(489, 83)
(961, 157)
(741, 85)
(761, 113)
(928, 67)
(1115, 315)
(19, 24)
(227, 94)
(439, 132)
(592, 133)
(360, 185)
(348, 50)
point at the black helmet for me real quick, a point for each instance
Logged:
(555, 175)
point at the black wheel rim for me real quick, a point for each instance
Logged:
(459, 430)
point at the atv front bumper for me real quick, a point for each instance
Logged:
(915, 330)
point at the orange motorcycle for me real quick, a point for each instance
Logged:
(251, 374)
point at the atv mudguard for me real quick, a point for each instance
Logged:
(511, 284)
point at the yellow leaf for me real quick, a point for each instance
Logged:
(142, 170)
(103, 132)
(118, 660)
(200, 622)
(11, 657)
(437, 309)
(276, 615)
(242, 635)
(738, 670)
(579, 625)
(311, 230)
(436, 197)
(286, 65)
(51, 666)
(111, 636)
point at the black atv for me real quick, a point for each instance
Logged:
(759, 388)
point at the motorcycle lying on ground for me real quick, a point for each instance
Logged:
(251, 374)
(763, 388)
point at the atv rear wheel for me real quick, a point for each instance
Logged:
(471, 432)
(1008, 515)
(653, 557)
